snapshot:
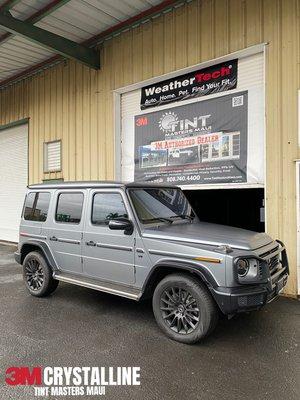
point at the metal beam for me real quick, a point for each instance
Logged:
(37, 16)
(59, 44)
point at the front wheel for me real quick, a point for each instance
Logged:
(184, 309)
(38, 275)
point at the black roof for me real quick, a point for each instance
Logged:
(96, 184)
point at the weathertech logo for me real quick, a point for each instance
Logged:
(72, 381)
(224, 71)
(199, 77)
(205, 81)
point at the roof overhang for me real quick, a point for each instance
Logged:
(60, 47)
(49, 40)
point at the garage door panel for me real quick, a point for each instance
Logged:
(13, 179)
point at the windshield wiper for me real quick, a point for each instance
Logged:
(163, 219)
(184, 216)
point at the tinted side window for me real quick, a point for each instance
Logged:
(42, 206)
(107, 206)
(69, 208)
(28, 208)
(36, 206)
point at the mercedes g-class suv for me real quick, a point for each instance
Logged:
(144, 240)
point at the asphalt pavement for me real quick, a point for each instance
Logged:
(252, 356)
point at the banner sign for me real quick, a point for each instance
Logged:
(199, 143)
(213, 79)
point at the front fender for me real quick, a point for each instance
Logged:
(181, 266)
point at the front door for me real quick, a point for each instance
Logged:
(108, 254)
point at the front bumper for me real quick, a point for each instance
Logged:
(252, 297)
(237, 300)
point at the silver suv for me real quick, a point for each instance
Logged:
(144, 240)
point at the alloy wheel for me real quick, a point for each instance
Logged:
(179, 310)
(34, 274)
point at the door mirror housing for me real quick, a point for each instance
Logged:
(121, 224)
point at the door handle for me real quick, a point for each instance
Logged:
(90, 243)
(54, 238)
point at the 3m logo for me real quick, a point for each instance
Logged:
(142, 121)
(23, 376)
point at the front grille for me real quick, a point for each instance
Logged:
(267, 253)
(274, 263)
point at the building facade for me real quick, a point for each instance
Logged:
(85, 114)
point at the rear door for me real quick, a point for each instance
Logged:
(65, 229)
(108, 254)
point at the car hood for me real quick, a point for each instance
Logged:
(209, 234)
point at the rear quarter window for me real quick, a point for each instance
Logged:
(36, 206)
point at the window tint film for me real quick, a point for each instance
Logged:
(36, 206)
(28, 209)
(42, 206)
(107, 206)
(69, 208)
(161, 205)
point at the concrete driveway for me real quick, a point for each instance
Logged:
(254, 356)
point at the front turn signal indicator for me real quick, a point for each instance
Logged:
(208, 259)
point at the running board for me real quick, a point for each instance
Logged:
(101, 286)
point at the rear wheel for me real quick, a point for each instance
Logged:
(184, 309)
(38, 275)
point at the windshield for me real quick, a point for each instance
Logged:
(164, 205)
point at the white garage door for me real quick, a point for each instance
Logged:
(13, 179)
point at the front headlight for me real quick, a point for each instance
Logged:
(250, 270)
(242, 267)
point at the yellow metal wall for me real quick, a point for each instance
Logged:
(73, 103)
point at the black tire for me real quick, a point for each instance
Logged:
(179, 297)
(37, 275)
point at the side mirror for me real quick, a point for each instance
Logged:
(121, 224)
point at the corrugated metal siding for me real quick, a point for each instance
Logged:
(72, 103)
